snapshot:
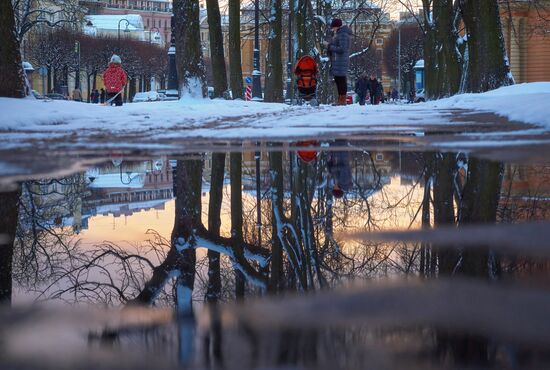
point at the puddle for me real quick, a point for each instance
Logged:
(340, 255)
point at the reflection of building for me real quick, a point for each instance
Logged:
(125, 26)
(525, 193)
(156, 14)
(129, 187)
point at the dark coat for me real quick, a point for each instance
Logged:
(338, 50)
(338, 164)
(373, 86)
(362, 86)
(94, 97)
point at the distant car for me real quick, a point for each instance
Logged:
(56, 96)
(146, 97)
(420, 96)
(37, 95)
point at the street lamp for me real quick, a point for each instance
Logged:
(125, 30)
(172, 85)
(77, 54)
(289, 92)
(157, 36)
(399, 59)
(256, 74)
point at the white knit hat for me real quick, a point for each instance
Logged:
(116, 59)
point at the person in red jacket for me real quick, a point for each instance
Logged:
(114, 79)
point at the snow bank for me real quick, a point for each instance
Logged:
(65, 116)
(523, 102)
(24, 120)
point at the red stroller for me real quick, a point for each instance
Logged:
(306, 79)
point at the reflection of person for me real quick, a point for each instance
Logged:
(115, 79)
(338, 51)
(338, 164)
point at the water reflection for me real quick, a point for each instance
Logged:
(177, 232)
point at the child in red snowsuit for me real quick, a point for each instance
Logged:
(114, 79)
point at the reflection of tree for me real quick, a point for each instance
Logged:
(8, 224)
(44, 244)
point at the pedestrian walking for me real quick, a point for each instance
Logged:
(362, 88)
(94, 96)
(115, 79)
(338, 51)
(77, 95)
(394, 95)
(102, 95)
(373, 88)
(379, 92)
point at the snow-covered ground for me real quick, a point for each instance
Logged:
(23, 121)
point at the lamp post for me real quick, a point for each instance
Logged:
(172, 90)
(125, 30)
(289, 92)
(77, 54)
(399, 59)
(256, 74)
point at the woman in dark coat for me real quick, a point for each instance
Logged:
(338, 51)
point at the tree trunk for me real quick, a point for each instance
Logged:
(9, 210)
(488, 66)
(237, 215)
(214, 224)
(12, 79)
(235, 64)
(217, 58)
(444, 166)
(274, 75)
(189, 62)
(479, 205)
(441, 58)
(181, 257)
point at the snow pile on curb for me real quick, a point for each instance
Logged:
(64, 116)
(523, 102)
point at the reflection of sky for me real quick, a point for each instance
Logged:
(132, 229)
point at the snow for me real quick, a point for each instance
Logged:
(523, 102)
(24, 121)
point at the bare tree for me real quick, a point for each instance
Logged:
(274, 73)
(188, 48)
(235, 64)
(487, 64)
(216, 48)
(12, 79)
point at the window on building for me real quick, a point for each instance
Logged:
(147, 22)
(379, 156)
(379, 41)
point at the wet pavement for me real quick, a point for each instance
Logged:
(389, 250)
